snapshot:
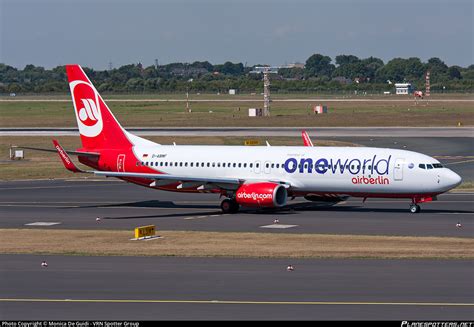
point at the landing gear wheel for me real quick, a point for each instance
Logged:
(229, 206)
(235, 207)
(415, 208)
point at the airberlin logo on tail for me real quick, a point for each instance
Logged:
(87, 106)
(89, 111)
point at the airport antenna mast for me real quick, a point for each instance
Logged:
(427, 84)
(265, 70)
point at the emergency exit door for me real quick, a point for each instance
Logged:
(398, 169)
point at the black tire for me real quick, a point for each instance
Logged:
(234, 207)
(229, 206)
(226, 206)
(415, 208)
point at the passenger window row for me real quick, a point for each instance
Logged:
(203, 164)
(238, 165)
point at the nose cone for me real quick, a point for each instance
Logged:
(452, 179)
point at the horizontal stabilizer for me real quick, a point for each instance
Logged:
(76, 153)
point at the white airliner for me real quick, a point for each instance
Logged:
(257, 176)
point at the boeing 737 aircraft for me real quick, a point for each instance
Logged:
(258, 176)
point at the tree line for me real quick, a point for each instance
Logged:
(319, 74)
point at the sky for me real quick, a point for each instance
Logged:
(95, 33)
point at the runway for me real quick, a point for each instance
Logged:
(138, 288)
(75, 204)
(159, 288)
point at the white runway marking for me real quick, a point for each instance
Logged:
(203, 217)
(278, 226)
(42, 223)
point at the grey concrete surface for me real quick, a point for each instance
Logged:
(140, 288)
(75, 204)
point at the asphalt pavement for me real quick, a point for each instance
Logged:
(75, 204)
(143, 288)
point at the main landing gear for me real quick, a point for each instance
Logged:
(229, 206)
(415, 208)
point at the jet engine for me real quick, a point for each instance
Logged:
(262, 195)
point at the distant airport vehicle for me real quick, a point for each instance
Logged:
(418, 94)
(257, 176)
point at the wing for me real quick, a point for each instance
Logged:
(185, 181)
(190, 181)
(77, 153)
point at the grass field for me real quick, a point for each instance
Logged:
(234, 113)
(38, 164)
(245, 96)
(217, 244)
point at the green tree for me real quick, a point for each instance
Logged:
(135, 84)
(203, 64)
(318, 65)
(229, 68)
(436, 65)
(342, 60)
(454, 72)
(14, 88)
(294, 72)
(399, 70)
(438, 70)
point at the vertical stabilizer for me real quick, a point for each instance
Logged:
(97, 125)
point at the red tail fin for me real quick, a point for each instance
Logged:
(97, 125)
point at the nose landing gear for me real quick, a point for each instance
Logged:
(415, 208)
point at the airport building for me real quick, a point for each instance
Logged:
(403, 88)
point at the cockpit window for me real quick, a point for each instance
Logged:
(430, 166)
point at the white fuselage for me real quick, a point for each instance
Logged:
(357, 171)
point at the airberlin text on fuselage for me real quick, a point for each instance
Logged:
(374, 165)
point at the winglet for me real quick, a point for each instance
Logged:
(306, 139)
(65, 159)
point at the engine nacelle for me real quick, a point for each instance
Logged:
(262, 195)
